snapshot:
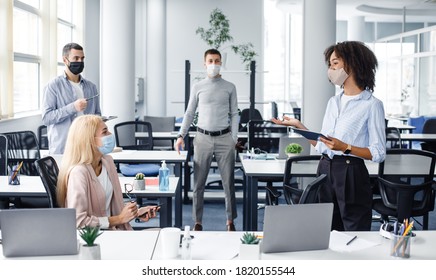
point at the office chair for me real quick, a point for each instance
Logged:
(23, 147)
(125, 137)
(42, 137)
(304, 196)
(429, 127)
(48, 171)
(405, 182)
(162, 124)
(245, 118)
(263, 135)
(295, 177)
(393, 138)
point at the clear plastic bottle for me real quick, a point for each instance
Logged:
(164, 174)
(186, 245)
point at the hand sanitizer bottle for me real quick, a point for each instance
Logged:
(164, 173)
(186, 245)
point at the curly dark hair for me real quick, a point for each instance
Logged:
(358, 59)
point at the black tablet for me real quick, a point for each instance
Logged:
(309, 134)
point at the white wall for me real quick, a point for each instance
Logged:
(246, 25)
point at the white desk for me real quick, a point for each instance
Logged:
(154, 156)
(254, 169)
(114, 245)
(225, 245)
(31, 186)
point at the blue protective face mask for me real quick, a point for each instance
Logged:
(108, 142)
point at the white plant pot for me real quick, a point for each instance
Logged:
(139, 185)
(90, 252)
(249, 252)
(292, 154)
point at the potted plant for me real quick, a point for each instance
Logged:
(90, 250)
(293, 149)
(139, 182)
(218, 33)
(249, 248)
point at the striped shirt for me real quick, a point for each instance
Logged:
(361, 123)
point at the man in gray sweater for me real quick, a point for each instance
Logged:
(216, 102)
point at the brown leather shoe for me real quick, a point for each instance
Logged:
(231, 227)
(198, 227)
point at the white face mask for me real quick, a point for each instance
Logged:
(213, 70)
(337, 76)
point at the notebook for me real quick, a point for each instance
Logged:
(39, 232)
(285, 140)
(300, 227)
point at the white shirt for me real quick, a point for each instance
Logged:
(103, 178)
(78, 90)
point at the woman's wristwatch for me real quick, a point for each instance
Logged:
(348, 150)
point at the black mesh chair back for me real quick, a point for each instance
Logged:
(429, 128)
(393, 138)
(3, 155)
(245, 118)
(310, 193)
(405, 185)
(42, 137)
(127, 138)
(264, 137)
(404, 201)
(48, 171)
(299, 172)
(23, 146)
(161, 124)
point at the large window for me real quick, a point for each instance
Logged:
(283, 57)
(30, 31)
(406, 80)
(26, 36)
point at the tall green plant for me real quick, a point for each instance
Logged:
(219, 31)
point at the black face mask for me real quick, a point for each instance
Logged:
(76, 67)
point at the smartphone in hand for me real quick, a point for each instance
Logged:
(157, 207)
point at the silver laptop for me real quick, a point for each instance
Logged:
(39, 232)
(285, 140)
(301, 227)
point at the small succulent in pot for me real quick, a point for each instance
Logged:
(139, 176)
(90, 234)
(249, 238)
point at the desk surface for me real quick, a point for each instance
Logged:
(114, 245)
(418, 137)
(225, 245)
(32, 186)
(149, 156)
(276, 167)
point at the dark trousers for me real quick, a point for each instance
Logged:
(348, 187)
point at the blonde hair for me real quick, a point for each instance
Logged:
(80, 148)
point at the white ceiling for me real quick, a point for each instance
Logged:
(376, 10)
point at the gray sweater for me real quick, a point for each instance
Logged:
(216, 102)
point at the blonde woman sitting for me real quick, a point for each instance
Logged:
(88, 179)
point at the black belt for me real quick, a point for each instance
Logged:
(346, 159)
(214, 133)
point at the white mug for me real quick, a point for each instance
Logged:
(170, 237)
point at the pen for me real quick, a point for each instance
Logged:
(89, 98)
(352, 239)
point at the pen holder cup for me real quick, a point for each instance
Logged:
(400, 246)
(14, 178)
